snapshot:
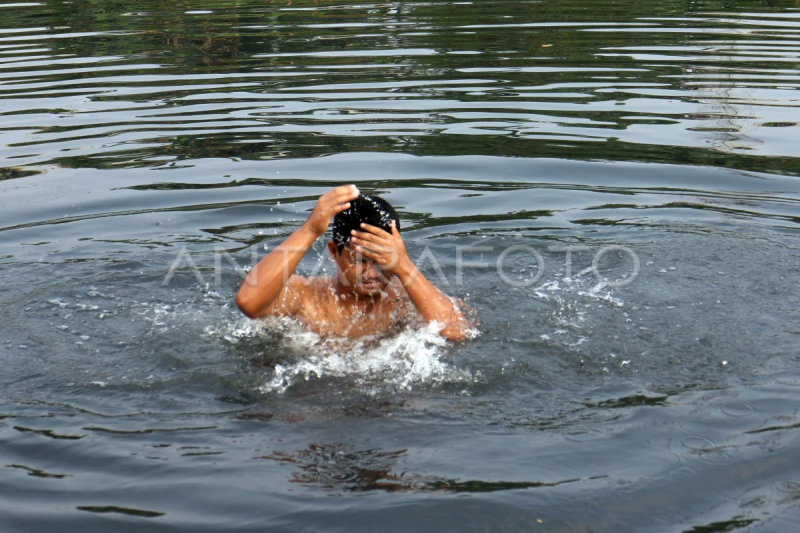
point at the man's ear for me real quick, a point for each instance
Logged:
(333, 251)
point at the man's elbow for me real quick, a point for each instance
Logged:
(456, 334)
(455, 337)
(246, 306)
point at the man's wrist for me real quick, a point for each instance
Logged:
(308, 231)
(406, 271)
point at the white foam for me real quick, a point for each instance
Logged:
(409, 358)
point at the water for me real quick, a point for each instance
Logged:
(135, 138)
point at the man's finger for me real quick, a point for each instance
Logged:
(341, 207)
(377, 257)
(348, 195)
(346, 189)
(374, 230)
(340, 194)
(349, 192)
(367, 237)
(341, 198)
(382, 256)
(371, 249)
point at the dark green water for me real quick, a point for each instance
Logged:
(140, 136)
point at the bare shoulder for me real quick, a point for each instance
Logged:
(313, 290)
(290, 299)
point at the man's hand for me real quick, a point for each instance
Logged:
(389, 252)
(386, 249)
(330, 204)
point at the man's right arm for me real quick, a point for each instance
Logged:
(264, 291)
(266, 282)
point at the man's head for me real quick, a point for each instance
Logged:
(360, 274)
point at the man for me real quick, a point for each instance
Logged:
(377, 285)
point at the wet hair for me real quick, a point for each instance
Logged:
(372, 210)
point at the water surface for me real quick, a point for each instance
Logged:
(137, 137)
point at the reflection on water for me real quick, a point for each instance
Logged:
(135, 135)
(336, 467)
(339, 468)
(684, 81)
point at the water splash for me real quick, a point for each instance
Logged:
(409, 358)
(574, 302)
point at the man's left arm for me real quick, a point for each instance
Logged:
(389, 252)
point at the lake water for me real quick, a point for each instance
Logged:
(153, 150)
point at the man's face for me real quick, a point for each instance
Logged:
(357, 273)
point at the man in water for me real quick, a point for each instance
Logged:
(377, 285)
